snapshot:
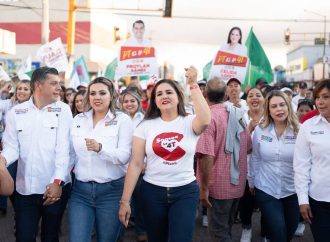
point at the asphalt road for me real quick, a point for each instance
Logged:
(201, 234)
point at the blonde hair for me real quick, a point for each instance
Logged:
(292, 119)
(26, 82)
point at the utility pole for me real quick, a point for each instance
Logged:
(324, 36)
(45, 22)
(71, 26)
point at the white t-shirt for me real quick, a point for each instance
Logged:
(170, 150)
(244, 107)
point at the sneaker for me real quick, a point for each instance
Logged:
(246, 235)
(205, 222)
(300, 230)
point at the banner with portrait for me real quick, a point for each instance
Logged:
(228, 65)
(137, 61)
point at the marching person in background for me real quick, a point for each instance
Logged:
(271, 167)
(68, 95)
(222, 162)
(38, 137)
(234, 89)
(101, 139)
(78, 103)
(131, 104)
(312, 167)
(167, 138)
(302, 89)
(22, 93)
(253, 118)
(304, 107)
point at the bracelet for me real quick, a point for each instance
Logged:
(124, 203)
(100, 147)
(193, 86)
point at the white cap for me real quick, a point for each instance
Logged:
(286, 89)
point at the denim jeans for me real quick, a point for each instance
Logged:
(321, 220)
(93, 203)
(140, 228)
(221, 218)
(281, 215)
(247, 204)
(29, 210)
(169, 212)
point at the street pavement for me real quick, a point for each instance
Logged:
(201, 235)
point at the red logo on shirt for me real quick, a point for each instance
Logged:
(166, 146)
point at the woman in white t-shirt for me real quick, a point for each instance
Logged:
(167, 137)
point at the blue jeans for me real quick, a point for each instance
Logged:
(29, 210)
(169, 212)
(137, 211)
(281, 215)
(93, 203)
(321, 220)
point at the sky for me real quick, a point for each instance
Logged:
(199, 27)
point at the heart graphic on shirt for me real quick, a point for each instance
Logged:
(167, 146)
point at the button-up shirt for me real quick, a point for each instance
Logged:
(114, 133)
(312, 160)
(212, 142)
(271, 164)
(40, 140)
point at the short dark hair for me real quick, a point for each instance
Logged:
(41, 75)
(240, 33)
(305, 102)
(138, 22)
(321, 85)
(215, 90)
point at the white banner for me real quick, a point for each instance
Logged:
(228, 65)
(53, 55)
(26, 67)
(137, 61)
(3, 75)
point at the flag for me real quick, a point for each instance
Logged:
(3, 75)
(80, 70)
(74, 80)
(259, 64)
(111, 70)
(206, 70)
(25, 68)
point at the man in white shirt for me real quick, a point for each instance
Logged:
(234, 90)
(138, 32)
(37, 135)
(302, 93)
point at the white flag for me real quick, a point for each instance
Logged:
(53, 55)
(26, 67)
(3, 75)
(74, 81)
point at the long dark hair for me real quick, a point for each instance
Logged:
(73, 107)
(153, 111)
(240, 33)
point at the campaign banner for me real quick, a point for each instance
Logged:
(53, 55)
(228, 65)
(3, 75)
(137, 61)
(25, 68)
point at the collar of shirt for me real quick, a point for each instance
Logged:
(320, 118)
(32, 105)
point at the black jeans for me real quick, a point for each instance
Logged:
(321, 220)
(29, 210)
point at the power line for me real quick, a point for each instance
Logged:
(114, 11)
